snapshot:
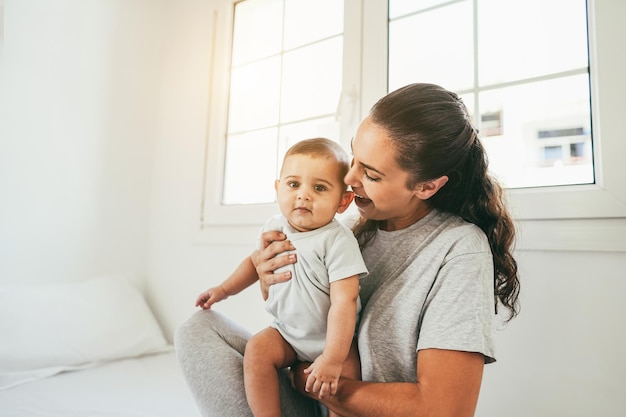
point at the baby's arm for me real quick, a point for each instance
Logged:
(244, 276)
(326, 369)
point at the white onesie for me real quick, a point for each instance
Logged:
(300, 306)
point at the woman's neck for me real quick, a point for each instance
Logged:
(391, 225)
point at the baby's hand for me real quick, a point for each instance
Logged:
(210, 297)
(323, 377)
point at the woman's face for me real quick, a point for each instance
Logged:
(378, 182)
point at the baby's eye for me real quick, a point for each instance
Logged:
(319, 188)
(292, 184)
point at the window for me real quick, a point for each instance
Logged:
(532, 90)
(499, 55)
(286, 69)
(285, 78)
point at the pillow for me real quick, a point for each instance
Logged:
(51, 328)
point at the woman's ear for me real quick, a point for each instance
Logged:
(425, 190)
(345, 201)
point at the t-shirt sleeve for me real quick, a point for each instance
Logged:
(344, 259)
(459, 311)
(274, 223)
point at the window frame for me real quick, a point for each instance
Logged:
(213, 212)
(607, 197)
(540, 211)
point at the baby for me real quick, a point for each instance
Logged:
(315, 312)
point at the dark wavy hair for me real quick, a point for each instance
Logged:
(434, 136)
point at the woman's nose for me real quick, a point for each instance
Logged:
(350, 177)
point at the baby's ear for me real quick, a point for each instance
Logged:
(345, 201)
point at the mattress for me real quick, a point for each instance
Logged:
(147, 386)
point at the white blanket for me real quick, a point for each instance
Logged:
(149, 386)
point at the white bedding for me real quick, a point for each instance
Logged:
(148, 386)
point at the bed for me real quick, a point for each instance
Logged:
(86, 349)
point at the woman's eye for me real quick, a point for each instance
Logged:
(369, 178)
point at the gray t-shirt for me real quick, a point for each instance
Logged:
(429, 286)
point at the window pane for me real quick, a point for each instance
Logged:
(399, 8)
(435, 47)
(250, 167)
(308, 21)
(537, 128)
(285, 77)
(520, 40)
(254, 95)
(325, 127)
(312, 80)
(264, 19)
(539, 134)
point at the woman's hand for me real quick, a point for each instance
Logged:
(266, 262)
(299, 377)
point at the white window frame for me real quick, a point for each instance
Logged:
(588, 217)
(213, 212)
(573, 217)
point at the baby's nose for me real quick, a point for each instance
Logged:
(303, 194)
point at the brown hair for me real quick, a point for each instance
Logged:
(322, 148)
(433, 136)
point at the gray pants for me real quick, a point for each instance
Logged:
(210, 347)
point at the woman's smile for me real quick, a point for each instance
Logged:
(361, 201)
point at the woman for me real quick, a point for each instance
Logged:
(437, 240)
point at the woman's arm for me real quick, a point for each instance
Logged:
(266, 262)
(448, 386)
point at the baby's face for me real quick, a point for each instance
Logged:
(309, 191)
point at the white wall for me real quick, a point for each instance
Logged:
(564, 354)
(179, 268)
(77, 140)
(100, 171)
